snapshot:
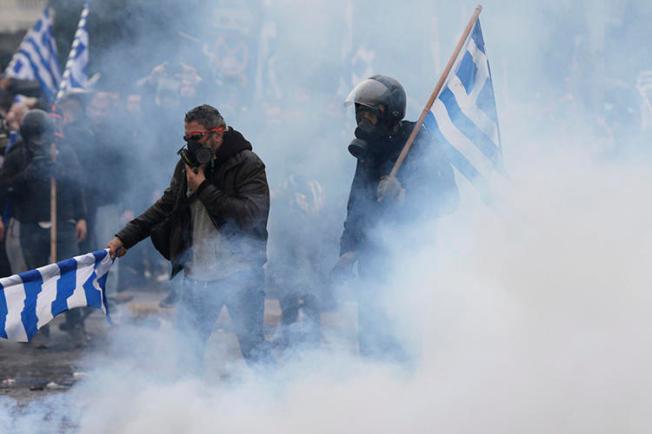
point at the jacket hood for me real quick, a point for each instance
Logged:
(234, 143)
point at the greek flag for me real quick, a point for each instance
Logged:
(464, 117)
(36, 58)
(75, 76)
(31, 299)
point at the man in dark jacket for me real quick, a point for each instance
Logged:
(423, 189)
(211, 222)
(25, 177)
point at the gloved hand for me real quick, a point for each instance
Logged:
(390, 188)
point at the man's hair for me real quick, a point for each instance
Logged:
(207, 116)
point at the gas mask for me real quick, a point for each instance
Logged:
(194, 154)
(369, 137)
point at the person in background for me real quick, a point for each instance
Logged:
(26, 175)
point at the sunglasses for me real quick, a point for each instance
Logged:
(198, 135)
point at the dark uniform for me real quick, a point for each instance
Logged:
(25, 176)
(425, 189)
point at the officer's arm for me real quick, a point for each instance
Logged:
(353, 225)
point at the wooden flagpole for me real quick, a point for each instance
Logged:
(53, 207)
(435, 93)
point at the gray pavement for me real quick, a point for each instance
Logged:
(28, 373)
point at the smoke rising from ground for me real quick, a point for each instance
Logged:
(536, 320)
(530, 318)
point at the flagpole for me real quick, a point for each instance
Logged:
(53, 207)
(435, 93)
(53, 147)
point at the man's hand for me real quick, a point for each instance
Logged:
(116, 248)
(81, 230)
(390, 188)
(195, 177)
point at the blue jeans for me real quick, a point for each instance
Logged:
(200, 304)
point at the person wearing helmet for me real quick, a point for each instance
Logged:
(25, 177)
(423, 189)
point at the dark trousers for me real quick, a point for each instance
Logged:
(35, 243)
(308, 333)
(376, 332)
(199, 306)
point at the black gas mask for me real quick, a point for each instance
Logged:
(369, 137)
(194, 154)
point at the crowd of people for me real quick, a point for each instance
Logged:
(112, 153)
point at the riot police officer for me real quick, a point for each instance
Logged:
(423, 189)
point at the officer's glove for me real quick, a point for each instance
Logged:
(390, 188)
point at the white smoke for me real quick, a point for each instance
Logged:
(533, 317)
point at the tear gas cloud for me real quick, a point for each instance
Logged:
(532, 317)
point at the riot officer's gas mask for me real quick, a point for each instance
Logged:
(370, 134)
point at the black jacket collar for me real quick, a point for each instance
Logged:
(233, 144)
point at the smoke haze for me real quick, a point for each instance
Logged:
(532, 317)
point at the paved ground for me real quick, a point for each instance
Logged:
(27, 372)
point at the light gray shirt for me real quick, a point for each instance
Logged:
(213, 257)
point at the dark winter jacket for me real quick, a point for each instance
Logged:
(25, 177)
(426, 176)
(235, 194)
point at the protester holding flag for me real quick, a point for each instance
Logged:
(425, 188)
(25, 176)
(212, 223)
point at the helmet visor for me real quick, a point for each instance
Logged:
(369, 93)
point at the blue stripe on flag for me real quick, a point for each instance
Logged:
(44, 87)
(99, 257)
(486, 101)
(456, 158)
(49, 45)
(93, 296)
(65, 285)
(45, 63)
(468, 128)
(3, 313)
(73, 82)
(33, 283)
(18, 66)
(80, 50)
(467, 72)
(477, 36)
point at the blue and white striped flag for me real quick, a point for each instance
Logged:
(36, 58)
(75, 75)
(31, 299)
(464, 114)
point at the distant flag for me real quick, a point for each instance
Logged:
(75, 75)
(464, 115)
(36, 58)
(31, 299)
